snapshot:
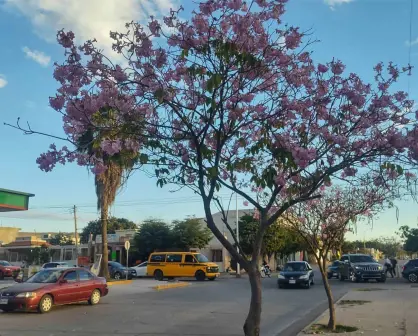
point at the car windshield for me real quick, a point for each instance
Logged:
(46, 276)
(201, 258)
(116, 264)
(294, 267)
(361, 259)
(5, 263)
(335, 263)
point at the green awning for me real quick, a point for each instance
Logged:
(11, 200)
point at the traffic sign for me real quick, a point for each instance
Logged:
(127, 244)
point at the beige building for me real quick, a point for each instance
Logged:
(8, 234)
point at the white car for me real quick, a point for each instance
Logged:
(141, 270)
(56, 264)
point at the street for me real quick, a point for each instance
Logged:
(207, 308)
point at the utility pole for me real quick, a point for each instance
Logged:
(75, 232)
(237, 234)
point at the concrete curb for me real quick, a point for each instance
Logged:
(120, 282)
(303, 333)
(171, 285)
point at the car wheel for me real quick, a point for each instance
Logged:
(341, 277)
(413, 278)
(329, 276)
(158, 275)
(1, 275)
(280, 286)
(212, 278)
(95, 297)
(313, 281)
(200, 276)
(45, 305)
(117, 276)
(308, 285)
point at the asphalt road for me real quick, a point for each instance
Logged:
(208, 308)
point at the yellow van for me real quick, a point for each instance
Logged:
(181, 264)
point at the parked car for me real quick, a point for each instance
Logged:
(333, 269)
(8, 270)
(53, 286)
(360, 267)
(410, 270)
(297, 273)
(141, 269)
(57, 264)
(117, 271)
(181, 264)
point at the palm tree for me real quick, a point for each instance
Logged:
(118, 167)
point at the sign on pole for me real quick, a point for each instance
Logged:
(95, 268)
(127, 247)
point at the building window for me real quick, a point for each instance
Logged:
(217, 256)
(68, 254)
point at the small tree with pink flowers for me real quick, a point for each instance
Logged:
(323, 222)
(230, 100)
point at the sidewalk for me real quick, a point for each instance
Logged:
(392, 312)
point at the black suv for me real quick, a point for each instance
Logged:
(410, 271)
(358, 267)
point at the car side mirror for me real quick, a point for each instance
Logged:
(63, 281)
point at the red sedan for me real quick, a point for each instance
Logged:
(7, 270)
(51, 287)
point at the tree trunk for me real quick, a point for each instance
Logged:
(104, 270)
(331, 307)
(253, 320)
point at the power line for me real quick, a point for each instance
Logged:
(159, 201)
(411, 11)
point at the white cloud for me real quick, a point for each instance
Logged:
(37, 56)
(412, 43)
(333, 3)
(3, 81)
(90, 18)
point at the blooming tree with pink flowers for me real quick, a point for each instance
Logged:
(230, 99)
(323, 222)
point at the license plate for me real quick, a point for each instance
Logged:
(335, 274)
(4, 301)
(292, 281)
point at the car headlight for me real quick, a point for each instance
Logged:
(357, 268)
(380, 267)
(280, 276)
(27, 295)
(306, 276)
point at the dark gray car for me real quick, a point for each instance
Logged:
(118, 271)
(360, 267)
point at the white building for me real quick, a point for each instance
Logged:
(220, 255)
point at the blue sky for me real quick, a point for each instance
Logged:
(359, 32)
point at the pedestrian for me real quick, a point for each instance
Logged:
(388, 267)
(394, 263)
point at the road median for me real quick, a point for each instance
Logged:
(169, 285)
(119, 282)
